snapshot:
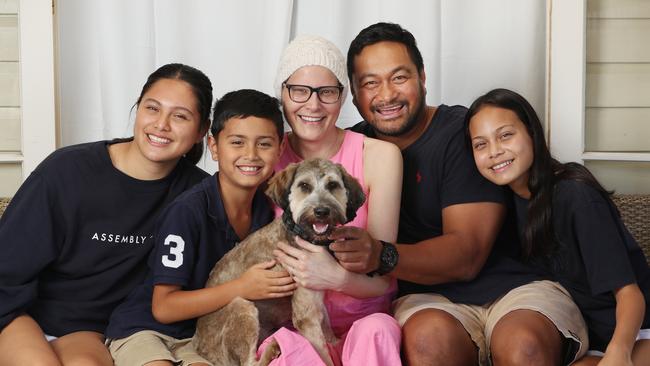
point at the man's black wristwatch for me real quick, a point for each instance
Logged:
(387, 259)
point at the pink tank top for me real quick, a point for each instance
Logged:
(343, 309)
(350, 155)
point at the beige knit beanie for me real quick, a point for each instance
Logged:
(311, 51)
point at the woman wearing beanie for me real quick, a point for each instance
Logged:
(311, 83)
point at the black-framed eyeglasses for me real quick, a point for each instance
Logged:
(302, 93)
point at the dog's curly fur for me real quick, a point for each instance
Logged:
(320, 195)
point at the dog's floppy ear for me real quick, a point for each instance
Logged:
(356, 197)
(280, 184)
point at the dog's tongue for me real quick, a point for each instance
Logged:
(320, 228)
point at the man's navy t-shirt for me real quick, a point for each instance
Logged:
(439, 172)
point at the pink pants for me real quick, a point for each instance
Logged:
(373, 340)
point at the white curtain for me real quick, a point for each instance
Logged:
(106, 49)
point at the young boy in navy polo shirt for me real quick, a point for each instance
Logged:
(157, 321)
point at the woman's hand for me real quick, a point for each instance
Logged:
(312, 266)
(260, 282)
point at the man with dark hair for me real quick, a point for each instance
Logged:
(464, 298)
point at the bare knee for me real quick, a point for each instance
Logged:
(34, 359)
(435, 337)
(528, 338)
(87, 360)
(522, 348)
(22, 342)
(26, 354)
(82, 348)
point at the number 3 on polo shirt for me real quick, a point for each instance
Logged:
(176, 246)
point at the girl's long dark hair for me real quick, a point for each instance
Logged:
(544, 173)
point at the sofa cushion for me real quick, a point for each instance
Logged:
(3, 204)
(635, 211)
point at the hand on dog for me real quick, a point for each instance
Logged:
(355, 249)
(260, 282)
(312, 266)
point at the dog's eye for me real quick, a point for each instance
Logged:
(332, 186)
(305, 187)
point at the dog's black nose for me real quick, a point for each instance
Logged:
(321, 212)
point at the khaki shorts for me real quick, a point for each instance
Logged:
(546, 297)
(147, 345)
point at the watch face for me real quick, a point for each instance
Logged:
(389, 257)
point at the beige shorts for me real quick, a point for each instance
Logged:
(546, 297)
(147, 345)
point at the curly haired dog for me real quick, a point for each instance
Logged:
(316, 196)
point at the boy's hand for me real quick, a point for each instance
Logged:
(260, 282)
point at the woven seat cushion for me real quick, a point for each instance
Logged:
(3, 204)
(635, 211)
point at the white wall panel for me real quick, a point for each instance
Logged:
(11, 176)
(624, 177)
(617, 129)
(611, 133)
(9, 81)
(10, 129)
(618, 85)
(618, 9)
(8, 6)
(8, 38)
(618, 40)
(37, 82)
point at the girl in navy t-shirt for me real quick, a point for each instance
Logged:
(76, 235)
(569, 226)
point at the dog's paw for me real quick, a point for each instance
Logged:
(271, 352)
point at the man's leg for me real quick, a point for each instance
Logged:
(22, 342)
(526, 337)
(434, 337)
(535, 324)
(436, 331)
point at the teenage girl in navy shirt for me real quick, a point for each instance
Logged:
(569, 226)
(75, 238)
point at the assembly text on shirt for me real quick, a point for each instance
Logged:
(120, 238)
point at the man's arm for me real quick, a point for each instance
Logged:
(469, 232)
